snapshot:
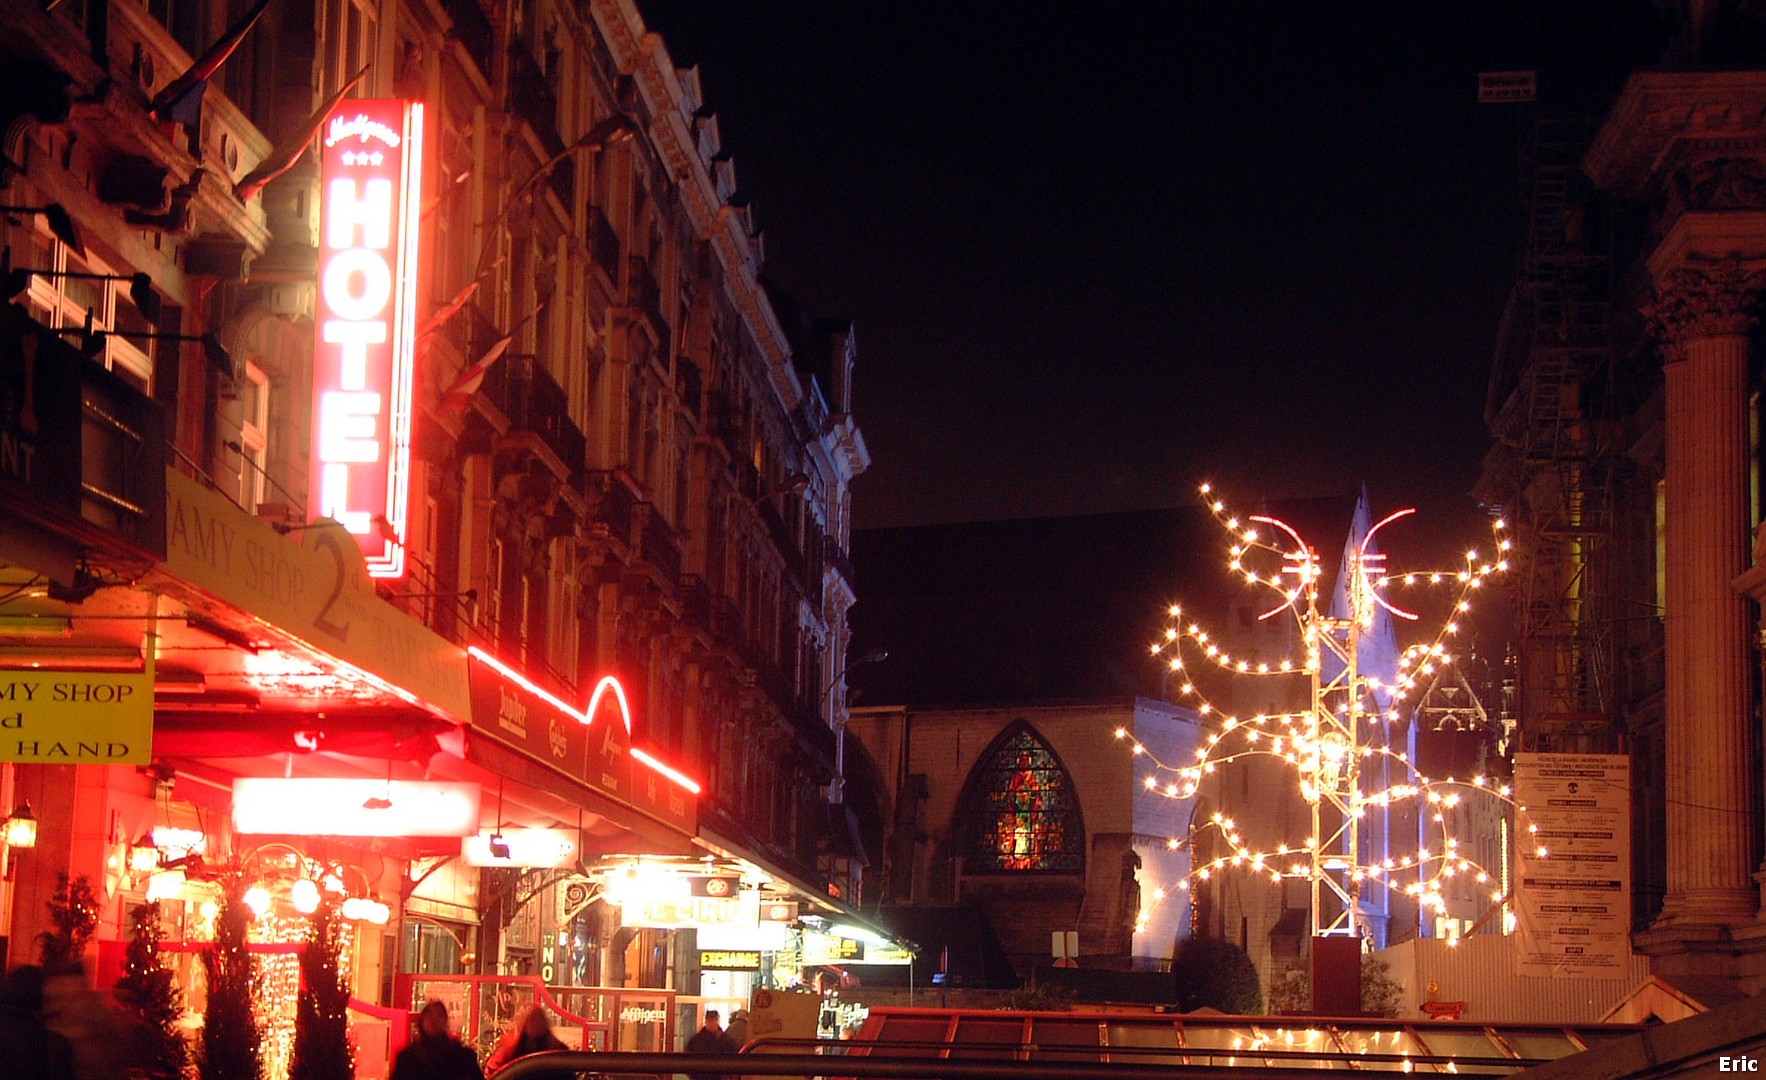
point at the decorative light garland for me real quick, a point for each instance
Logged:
(1326, 743)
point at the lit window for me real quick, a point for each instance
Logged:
(351, 35)
(254, 423)
(1020, 809)
(64, 302)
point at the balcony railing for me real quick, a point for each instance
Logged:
(839, 558)
(531, 98)
(616, 506)
(603, 241)
(534, 402)
(727, 425)
(689, 385)
(646, 295)
(658, 545)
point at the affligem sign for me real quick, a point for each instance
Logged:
(371, 170)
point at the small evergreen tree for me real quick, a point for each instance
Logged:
(1038, 996)
(149, 993)
(73, 910)
(322, 1049)
(1291, 991)
(230, 1035)
(1216, 974)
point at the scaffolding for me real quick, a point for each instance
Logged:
(1551, 416)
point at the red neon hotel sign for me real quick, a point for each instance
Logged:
(371, 169)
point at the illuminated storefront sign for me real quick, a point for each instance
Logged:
(783, 911)
(322, 806)
(520, 847)
(76, 718)
(371, 171)
(677, 912)
(729, 960)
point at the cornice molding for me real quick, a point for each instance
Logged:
(1665, 118)
(643, 55)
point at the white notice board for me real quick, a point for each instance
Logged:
(1573, 905)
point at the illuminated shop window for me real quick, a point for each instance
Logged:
(59, 301)
(1020, 810)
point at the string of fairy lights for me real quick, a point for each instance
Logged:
(1341, 727)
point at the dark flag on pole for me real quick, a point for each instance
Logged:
(284, 157)
(184, 93)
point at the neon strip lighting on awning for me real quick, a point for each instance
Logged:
(586, 717)
(672, 773)
(525, 683)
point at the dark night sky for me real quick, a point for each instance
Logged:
(1098, 252)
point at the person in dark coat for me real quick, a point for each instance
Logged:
(529, 1034)
(435, 1054)
(27, 1046)
(711, 1039)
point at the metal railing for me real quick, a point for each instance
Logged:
(1070, 1063)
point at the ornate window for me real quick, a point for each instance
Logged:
(1019, 810)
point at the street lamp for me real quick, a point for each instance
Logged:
(18, 831)
(836, 789)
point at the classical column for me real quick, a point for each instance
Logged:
(1702, 314)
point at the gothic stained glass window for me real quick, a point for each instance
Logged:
(1020, 812)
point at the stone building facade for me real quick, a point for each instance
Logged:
(626, 458)
(1625, 400)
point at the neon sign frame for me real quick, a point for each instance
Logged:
(364, 354)
(607, 685)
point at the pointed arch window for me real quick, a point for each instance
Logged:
(1020, 811)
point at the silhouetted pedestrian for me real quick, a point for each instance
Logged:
(710, 1039)
(27, 1046)
(435, 1054)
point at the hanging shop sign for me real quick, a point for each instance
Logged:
(821, 949)
(729, 960)
(679, 912)
(1573, 880)
(318, 590)
(713, 885)
(782, 911)
(371, 168)
(326, 806)
(531, 848)
(76, 718)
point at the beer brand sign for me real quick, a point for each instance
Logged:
(371, 171)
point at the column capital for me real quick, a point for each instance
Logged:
(1702, 299)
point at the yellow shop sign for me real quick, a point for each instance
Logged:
(76, 717)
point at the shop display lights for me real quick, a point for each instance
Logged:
(304, 895)
(18, 831)
(531, 848)
(21, 827)
(329, 806)
(143, 856)
(363, 909)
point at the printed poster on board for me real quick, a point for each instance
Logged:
(1573, 904)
